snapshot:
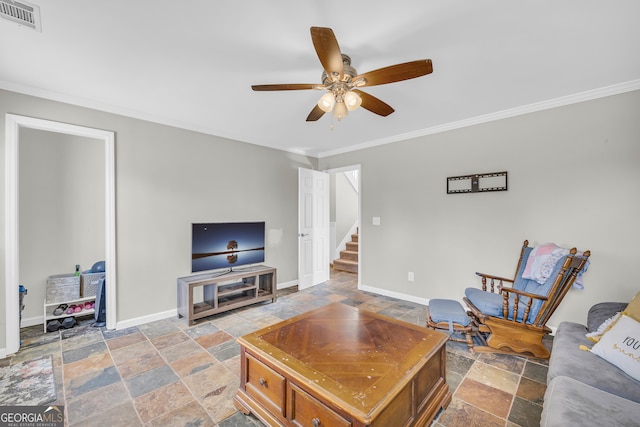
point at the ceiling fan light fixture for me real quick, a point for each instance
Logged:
(326, 102)
(340, 111)
(352, 100)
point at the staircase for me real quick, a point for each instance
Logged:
(348, 260)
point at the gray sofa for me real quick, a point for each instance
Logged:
(584, 389)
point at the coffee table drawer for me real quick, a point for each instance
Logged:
(266, 385)
(307, 411)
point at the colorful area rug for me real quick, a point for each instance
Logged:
(28, 383)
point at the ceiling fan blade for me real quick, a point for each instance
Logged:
(328, 51)
(300, 86)
(396, 73)
(373, 104)
(315, 114)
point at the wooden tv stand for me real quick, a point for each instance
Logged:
(225, 291)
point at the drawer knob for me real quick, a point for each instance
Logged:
(262, 381)
(315, 422)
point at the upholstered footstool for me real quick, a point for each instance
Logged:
(449, 316)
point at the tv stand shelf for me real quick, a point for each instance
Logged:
(225, 291)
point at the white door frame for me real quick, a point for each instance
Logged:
(12, 262)
(360, 230)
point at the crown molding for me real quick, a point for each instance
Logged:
(499, 115)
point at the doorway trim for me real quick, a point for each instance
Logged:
(360, 230)
(12, 262)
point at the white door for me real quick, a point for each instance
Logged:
(313, 227)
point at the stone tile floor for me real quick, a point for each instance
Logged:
(166, 373)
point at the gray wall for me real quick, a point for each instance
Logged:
(167, 178)
(62, 208)
(573, 171)
(573, 177)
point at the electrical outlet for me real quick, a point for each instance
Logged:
(376, 220)
(410, 276)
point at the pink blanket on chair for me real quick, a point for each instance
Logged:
(542, 260)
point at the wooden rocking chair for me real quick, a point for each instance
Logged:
(492, 308)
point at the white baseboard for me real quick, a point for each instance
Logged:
(396, 295)
(137, 321)
(287, 284)
(3, 353)
(31, 321)
(173, 313)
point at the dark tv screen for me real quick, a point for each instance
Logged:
(220, 245)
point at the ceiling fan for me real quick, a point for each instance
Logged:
(341, 80)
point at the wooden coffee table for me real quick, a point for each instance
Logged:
(340, 366)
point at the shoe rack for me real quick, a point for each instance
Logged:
(51, 308)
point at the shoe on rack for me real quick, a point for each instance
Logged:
(60, 310)
(71, 309)
(78, 308)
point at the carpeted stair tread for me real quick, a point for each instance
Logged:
(346, 265)
(349, 255)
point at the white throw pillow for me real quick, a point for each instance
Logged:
(620, 346)
(596, 335)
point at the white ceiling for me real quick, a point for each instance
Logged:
(190, 63)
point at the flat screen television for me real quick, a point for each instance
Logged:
(218, 245)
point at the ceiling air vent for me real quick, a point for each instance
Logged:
(21, 13)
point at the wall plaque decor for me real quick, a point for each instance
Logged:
(479, 182)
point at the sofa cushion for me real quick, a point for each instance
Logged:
(620, 346)
(568, 360)
(601, 312)
(568, 402)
